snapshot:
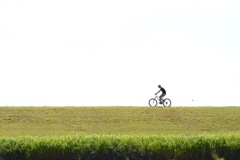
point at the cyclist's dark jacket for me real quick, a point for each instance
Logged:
(163, 90)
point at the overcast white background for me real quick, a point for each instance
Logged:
(97, 53)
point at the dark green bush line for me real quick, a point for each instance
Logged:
(81, 147)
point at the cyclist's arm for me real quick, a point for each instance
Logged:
(158, 92)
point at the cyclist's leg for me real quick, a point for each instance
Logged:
(161, 97)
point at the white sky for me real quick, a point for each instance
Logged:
(91, 52)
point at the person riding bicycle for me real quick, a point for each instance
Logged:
(163, 93)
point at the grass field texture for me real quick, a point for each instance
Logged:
(50, 121)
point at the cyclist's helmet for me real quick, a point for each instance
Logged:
(159, 86)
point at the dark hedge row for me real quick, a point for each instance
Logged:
(109, 147)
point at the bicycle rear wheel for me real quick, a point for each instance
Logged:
(167, 102)
(153, 102)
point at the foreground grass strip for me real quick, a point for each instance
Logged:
(77, 147)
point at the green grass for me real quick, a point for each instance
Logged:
(108, 147)
(47, 121)
(119, 133)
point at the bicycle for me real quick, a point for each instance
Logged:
(153, 102)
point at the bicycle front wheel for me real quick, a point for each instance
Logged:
(167, 102)
(152, 102)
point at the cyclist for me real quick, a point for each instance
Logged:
(163, 93)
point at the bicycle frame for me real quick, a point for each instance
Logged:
(157, 97)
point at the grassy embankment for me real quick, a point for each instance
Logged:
(119, 133)
(47, 121)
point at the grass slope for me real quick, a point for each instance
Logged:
(45, 121)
